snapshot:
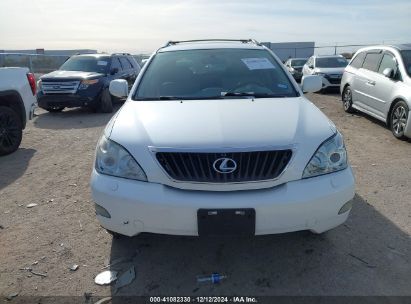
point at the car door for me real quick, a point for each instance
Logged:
(364, 82)
(128, 71)
(380, 94)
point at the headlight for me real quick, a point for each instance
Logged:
(113, 159)
(86, 82)
(39, 85)
(331, 156)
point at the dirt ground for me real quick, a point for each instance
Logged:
(368, 255)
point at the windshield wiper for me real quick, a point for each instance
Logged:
(252, 94)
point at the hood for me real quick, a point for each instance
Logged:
(330, 70)
(220, 123)
(70, 75)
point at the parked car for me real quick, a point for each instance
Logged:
(83, 80)
(330, 68)
(17, 104)
(216, 138)
(295, 67)
(377, 82)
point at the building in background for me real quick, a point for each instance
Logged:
(285, 50)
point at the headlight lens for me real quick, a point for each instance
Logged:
(331, 156)
(113, 159)
(86, 82)
(39, 85)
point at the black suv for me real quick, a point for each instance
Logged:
(83, 81)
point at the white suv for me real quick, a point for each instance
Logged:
(330, 68)
(217, 138)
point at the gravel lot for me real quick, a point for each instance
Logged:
(368, 255)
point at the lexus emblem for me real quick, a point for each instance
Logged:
(225, 165)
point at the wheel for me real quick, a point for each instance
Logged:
(106, 104)
(11, 130)
(55, 109)
(398, 121)
(347, 100)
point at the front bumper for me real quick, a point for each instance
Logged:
(307, 204)
(65, 100)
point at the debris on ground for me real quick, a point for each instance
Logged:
(1, 227)
(73, 185)
(361, 260)
(35, 263)
(214, 278)
(29, 269)
(103, 300)
(73, 267)
(126, 278)
(105, 277)
(12, 295)
(116, 261)
(31, 205)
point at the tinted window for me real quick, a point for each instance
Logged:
(388, 61)
(298, 62)
(358, 60)
(116, 64)
(372, 61)
(406, 57)
(86, 64)
(125, 63)
(213, 73)
(331, 62)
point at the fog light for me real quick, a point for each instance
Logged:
(346, 207)
(101, 211)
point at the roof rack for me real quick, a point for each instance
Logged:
(169, 43)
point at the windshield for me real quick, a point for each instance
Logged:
(214, 73)
(298, 62)
(406, 57)
(331, 62)
(86, 64)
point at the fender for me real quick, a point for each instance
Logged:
(16, 103)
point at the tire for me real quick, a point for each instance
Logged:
(11, 130)
(347, 100)
(55, 109)
(106, 103)
(398, 119)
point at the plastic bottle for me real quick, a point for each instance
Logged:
(214, 278)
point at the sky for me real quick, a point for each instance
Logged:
(141, 26)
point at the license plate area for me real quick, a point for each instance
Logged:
(226, 222)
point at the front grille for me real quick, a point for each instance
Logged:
(334, 78)
(198, 167)
(59, 87)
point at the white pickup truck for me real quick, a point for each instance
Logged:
(17, 104)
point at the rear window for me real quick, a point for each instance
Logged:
(202, 74)
(358, 60)
(372, 61)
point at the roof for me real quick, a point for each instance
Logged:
(210, 44)
(93, 55)
(328, 56)
(402, 47)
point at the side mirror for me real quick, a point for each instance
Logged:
(311, 83)
(113, 71)
(388, 72)
(311, 66)
(118, 88)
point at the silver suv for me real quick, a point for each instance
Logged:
(378, 82)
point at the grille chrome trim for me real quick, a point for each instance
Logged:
(196, 165)
(60, 87)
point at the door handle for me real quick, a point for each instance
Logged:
(371, 82)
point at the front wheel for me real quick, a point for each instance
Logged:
(11, 130)
(347, 100)
(106, 103)
(399, 117)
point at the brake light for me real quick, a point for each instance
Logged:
(32, 82)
